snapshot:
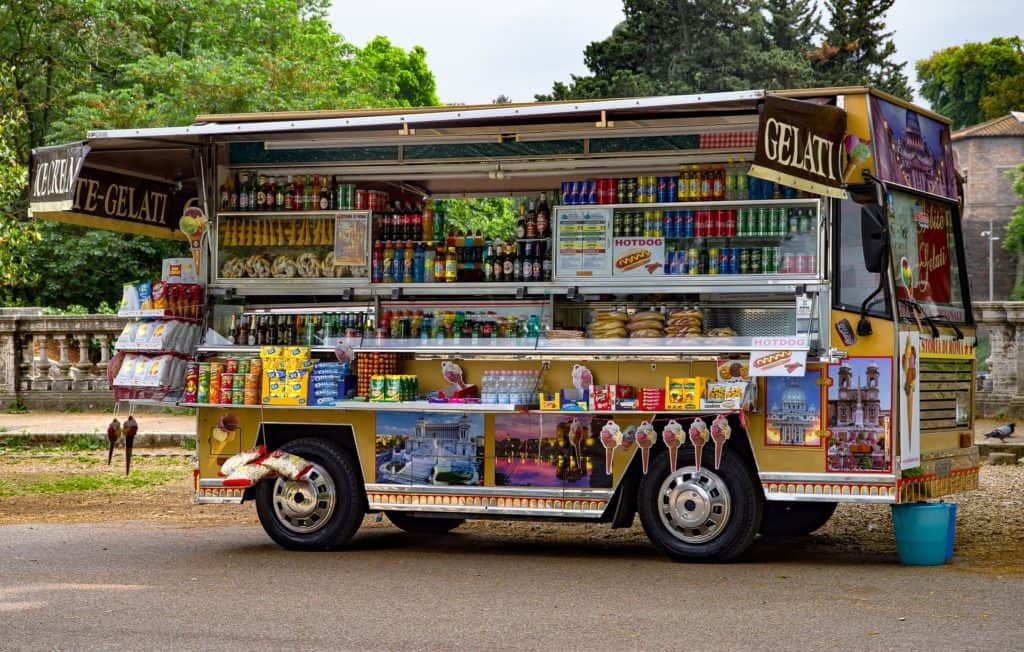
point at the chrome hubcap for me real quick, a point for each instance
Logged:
(694, 505)
(304, 506)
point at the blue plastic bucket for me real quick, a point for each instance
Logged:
(951, 507)
(923, 533)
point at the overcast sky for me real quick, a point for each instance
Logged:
(479, 49)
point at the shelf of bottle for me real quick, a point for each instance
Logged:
(470, 346)
(223, 246)
(747, 236)
(377, 406)
(459, 242)
(292, 214)
(743, 203)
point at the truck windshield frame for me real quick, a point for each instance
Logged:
(853, 282)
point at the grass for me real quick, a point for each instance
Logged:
(82, 443)
(189, 443)
(17, 407)
(87, 482)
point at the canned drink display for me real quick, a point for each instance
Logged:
(744, 261)
(620, 191)
(755, 261)
(566, 192)
(688, 224)
(714, 258)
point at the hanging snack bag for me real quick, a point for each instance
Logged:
(246, 475)
(127, 368)
(236, 461)
(127, 336)
(285, 464)
(159, 295)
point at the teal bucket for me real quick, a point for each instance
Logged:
(924, 532)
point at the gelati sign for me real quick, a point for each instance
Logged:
(799, 144)
(63, 187)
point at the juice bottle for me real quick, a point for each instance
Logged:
(683, 184)
(428, 221)
(388, 263)
(409, 266)
(705, 184)
(439, 265)
(451, 266)
(398, 269)
(718, 183)
(377, 263)
(694, 184)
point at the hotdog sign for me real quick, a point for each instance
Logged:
(779, 356)
(638, 256)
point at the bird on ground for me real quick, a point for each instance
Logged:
(1002, 432)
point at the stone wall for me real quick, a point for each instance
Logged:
(989, 196)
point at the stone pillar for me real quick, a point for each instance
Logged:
(63, 381)
(101, 366)
(83, 367)
(1004, 321)
(25, 361)
(41, 363)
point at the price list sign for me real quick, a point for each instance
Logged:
(583, 237)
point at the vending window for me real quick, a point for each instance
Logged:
(853, 282)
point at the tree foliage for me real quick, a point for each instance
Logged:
(1014, 240)
(68, 66)
(689, 46)
(857, 50)
(974, 82)
(492, 215)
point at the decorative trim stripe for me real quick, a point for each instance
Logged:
(838, 491)
(219, 495)
(490, 504)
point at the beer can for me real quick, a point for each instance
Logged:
(191, 382)
(620, 191)
(566, 192)
(591, 192)
(237, 397)
(755, 261)
(630, 190)
(768, 260)
(741, 222)
(744, 261)
(231, 365)
(714, 258)
(763, 223)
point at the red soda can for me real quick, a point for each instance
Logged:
(730, 224)
(718, 228)
(805, 264)
(361, 203)
(788, 263)
(195, 301)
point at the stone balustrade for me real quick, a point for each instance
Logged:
(1003, 390)
(54, 361)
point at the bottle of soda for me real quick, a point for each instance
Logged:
(543, 216)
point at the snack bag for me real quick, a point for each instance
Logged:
(124, 373)
(145, 289)
(236, 461)
(159, 295)
(129, 297)
(290, 466)
(246, 476)
(127, 336)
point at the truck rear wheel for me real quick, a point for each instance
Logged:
(784, 519)
(413, 524)
(706, 515)
(319, 512)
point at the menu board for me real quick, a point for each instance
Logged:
(583, 238)
(350, 231)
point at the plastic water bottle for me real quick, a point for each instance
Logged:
(487, 387)
(504, 384)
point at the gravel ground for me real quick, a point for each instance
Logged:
(45, 487)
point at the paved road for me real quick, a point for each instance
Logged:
(141, 586)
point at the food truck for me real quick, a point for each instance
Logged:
(725, 313)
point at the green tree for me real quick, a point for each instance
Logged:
(68, 66)
(973, 82)
(688, 46)
(857, 49)
(492, 215)
(1014, 240)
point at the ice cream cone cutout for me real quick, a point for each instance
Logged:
(909, 362)
(194, 224)
(113, 434)
(611, 437)
(858, 153)
(698, 437)
(576, 439)
(646, 437)
(720, 433)
(674, 436)
(131, 428)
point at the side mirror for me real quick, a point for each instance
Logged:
(874, 237)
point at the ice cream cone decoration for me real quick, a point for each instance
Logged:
(909, 363)
(194, 224)
(113, 434)
(131, 428)
(576, 439)
(674, 436)
(720, 433)
(698, 437)
(858, 153)
(611, 437)
(646, 437)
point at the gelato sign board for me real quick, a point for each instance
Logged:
(800, 144)
(63, 187)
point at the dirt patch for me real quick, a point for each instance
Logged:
(39, 487)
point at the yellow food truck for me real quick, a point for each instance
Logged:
(724, 312)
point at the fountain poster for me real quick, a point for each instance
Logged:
(912, 150)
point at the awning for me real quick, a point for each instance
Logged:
(135, 191)
(799, 144)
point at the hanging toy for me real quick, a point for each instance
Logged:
(113, 434)
(131, 428)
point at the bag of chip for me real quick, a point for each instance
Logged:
(285, 464)
(145, 295)
(246, 475)
(129, 297)
(235, 461)
(159, 295)
(125, 371)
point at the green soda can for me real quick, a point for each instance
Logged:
(744, 261)
(767, 254)
(763, 222)
(755, 261)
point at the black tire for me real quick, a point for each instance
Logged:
(412, 524)
(784, 519)
(672, 506)
(292, 518)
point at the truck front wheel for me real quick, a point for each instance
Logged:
(323, 510)
(705, 515)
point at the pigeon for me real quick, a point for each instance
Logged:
(1002, 432)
